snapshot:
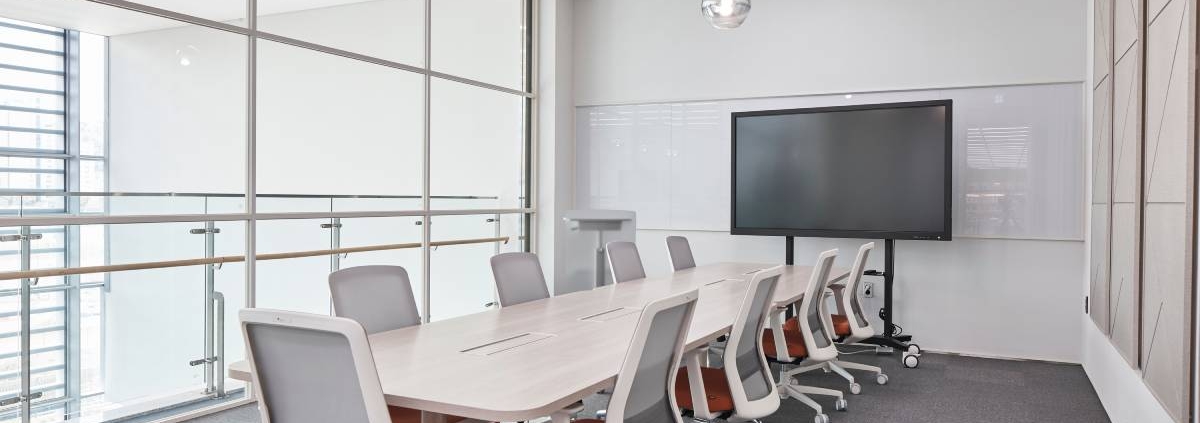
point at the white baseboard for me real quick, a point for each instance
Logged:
(1125, 396)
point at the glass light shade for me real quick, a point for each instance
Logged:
(725, 14)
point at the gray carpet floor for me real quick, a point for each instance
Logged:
(946, 388)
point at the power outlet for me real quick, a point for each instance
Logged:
(869, 289)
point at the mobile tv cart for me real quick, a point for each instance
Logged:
(910, 352)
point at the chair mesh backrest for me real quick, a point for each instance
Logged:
(306, 375)
(380, 298)
(624, 262)
(519, 278)
(812, 305)
(749, 359)
(852, 291)
(648, 398)
(680, 253)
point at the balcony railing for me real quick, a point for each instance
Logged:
(26, 225)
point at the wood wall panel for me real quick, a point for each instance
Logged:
(1167, 252)
(1102, 57)
(1125, 273)
(1098, 296)
(1124, 289)
(1143, 205)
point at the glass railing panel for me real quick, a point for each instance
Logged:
(378, 203)
(294, 284)
(460, 276)
(154, 318)
(147, 204)
(141, 333)
(279, 203)
(398, 232)
(230, 281)
(226, 204)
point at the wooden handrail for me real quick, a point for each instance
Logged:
(84, 270)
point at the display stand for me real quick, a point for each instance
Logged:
(891, 338)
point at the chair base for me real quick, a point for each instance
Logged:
(840, 367)
(788, 387)
(801, 393)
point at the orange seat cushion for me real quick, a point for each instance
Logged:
(716, 388)
(841, 325)
(408, 415)
(794, 340)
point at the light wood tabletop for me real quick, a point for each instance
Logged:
(528, 361)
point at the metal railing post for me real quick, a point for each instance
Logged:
(26, 326)
(219, 358)
(496, 221)
(335, 242)
(210, 285)
(26, 397)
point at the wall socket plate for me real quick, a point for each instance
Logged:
(869, 289)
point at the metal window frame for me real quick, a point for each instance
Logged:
(68, 348)
(251, 217)
(71, 250)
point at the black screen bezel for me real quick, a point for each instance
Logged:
(943, 235)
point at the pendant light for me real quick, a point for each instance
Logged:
(725, 14)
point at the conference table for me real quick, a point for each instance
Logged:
(532, 360)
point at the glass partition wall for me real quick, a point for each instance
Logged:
(166, 163)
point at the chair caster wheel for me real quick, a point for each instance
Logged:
(855, 388)
(911, 361)
(914, 349)
(821, 418)
(840, 405)
(881, 379)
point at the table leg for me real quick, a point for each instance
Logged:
(561, 417)
(428, 417)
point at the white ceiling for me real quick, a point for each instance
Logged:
(99, 19)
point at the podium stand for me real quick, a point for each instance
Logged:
(587, 231)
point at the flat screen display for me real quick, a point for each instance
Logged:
(877, 171)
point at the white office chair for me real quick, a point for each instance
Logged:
(519, 278)
(380, 298)
(744, 388)
(850, 325)
(679, 252)
(624, 262)
(807, 343)
(308, 368)
(645, 385)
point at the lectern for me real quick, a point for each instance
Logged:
(587, 231)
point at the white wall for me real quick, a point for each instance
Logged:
(555, 131)
(632, 51)
(1119, 386)
(977, 296)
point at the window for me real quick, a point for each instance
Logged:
(52, 141)
(310, 138)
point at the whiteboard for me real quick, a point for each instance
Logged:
(1018, 158)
